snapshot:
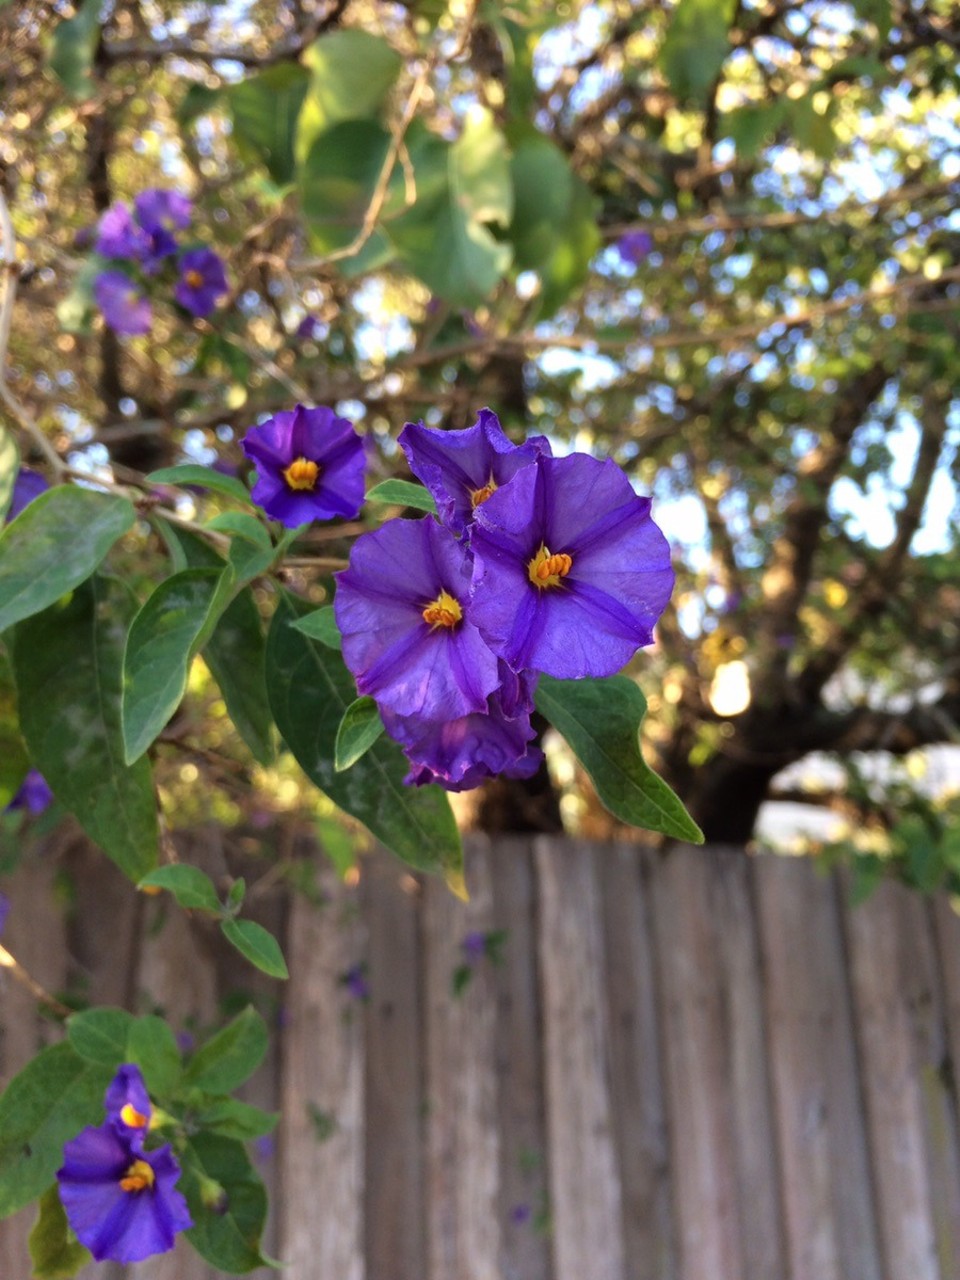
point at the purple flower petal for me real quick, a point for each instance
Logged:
(635, 246)
(163, 210)
(118, 236)
(27, 486)
(203, 279)
(124, 306)
(34, 795)
(4, 911)
(127, 1104)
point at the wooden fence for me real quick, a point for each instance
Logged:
(703, 1066)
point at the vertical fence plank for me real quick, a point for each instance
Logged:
(831, 1230)
(322, 1124)
(463, 1158)
(394, 1094)
(585, 1190)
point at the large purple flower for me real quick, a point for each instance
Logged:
(34, 795)
(127, 1104)
(409, 635)
(121, 1202)
(203, 279)
(124, 307)
(571, 573)
(310, 466)
(27, 486)
(463, 468)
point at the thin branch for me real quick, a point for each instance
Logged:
(39, 993)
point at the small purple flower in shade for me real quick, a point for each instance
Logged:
(163, 210)
(118, 236)
(27, 486)
(203, 279)
(354, 981)
(34, 795)
(4, 911)
(310, 466)
(124, 307)
(264, 1147)
(186, 1041)
(127, 1104)
(634, 247)
(310, 328)
(404, 613)
(461, 469)
(520, 1215)
(121, 1202)
(570, 572)
(474, 946)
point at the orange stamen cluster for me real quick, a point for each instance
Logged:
(445, 611)
(139, 1177)
(546, 569)
(132, 1117)
(193, 279)
(302, 473)
(481, 495)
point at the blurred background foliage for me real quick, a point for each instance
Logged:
(423, 208)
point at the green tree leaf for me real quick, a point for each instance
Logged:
(42, 1107)
(9, 469)
(462, 189)
(68, 668)
(191, 473)
(227, 1201)
(265, 108)
(169, 630)
(153, 1047)
(321, 625)
(74, 47)
(310, 689)
(352, 73)
(56, 1254)
(191, 887)
(258, 945)
(234, 1053)
(403, 493)
(14, 761)
(600, 720)
(233, 1119)
(56, 543)
(337, 181)
(359, 729)
(695, 47)
(100, 1035)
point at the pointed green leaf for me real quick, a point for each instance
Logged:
(234, 1119)
(227, 1202)
(321, 625)
(234, 1053)
(352, 73)
(265, 108)
(74, 47)
(164, 637)
(68, 667)
(56, 543)
(600, 720)
(359, 729)
(9, 469)
(310, 689)
(191, 887)
(403, 493)
(337, 180)
(258, 945)
(46, 1105)
(100, 1035)
(14, 761)
(153, 1047)
(695, 47)
(191, 473)
(55, 1252)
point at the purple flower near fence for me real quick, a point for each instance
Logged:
(27, 486)
(4, 911)
(203, 279)
(34, 795)
(127, 1104)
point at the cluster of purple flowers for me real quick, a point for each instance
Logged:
(120, 1198)
(536, 565)
(141, 246)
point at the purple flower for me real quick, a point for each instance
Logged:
(474, 946)
(159, 210)
(310, 466)
(309, 328)
(203, 279)
(4, 911)
(118, 236)
(124, 307)
(571, 573)
(520, 1214)
(185, 1041)
(264, 1147)
(634, 247)
(127, 1104)
(27, 486)
(34, 795)
(404, 612)
(461, 469)
(120, 1201)
(355, 982)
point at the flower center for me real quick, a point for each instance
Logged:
(139, 1177)
(445, 611)
(132, 1117)
(302, 473)
(193, 279)
(481, 495)
(546, 570)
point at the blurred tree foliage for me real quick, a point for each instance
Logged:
(442, 190)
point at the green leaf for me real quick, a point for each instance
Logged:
(321, 625)
(75, 311)
(258, 945)
(153, 1047)
(192, 888)
(14, 761)
(600, 720)
(56, 543)
(337, 180)
(879, 12)
(100, 1035)
(695, 47)
(165, 635)
(569, 266)
(403, 493)
(462, 189)
(265, 108)
(359, 729)
(55, 1253)
(241, 524)
(9, 469)
(68, 667)
(227, 1201)
(231, 1056)
(751, 126)
(310, 689)
(74, 47)
(352, 73)
(233, 1119)
(198, 101)
(46, 1105)
(191, 473)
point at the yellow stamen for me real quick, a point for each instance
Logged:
(193, 279)
(139, 1177)
(132, 1117)
(445, 611)
(302, 473)
(481, 495)
(546, 569)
